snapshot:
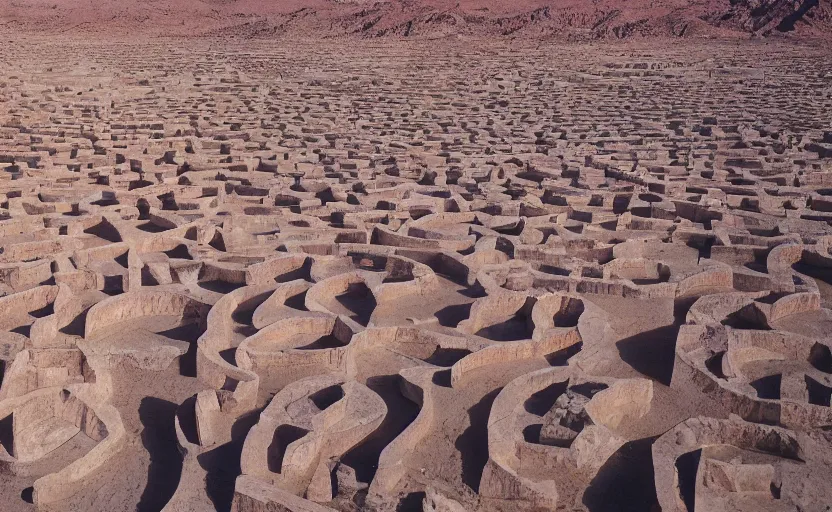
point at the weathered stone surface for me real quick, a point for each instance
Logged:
(450, 275)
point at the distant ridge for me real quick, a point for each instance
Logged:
(564, 19)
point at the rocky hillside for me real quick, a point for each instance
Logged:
(561, 19)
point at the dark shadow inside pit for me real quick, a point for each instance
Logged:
(651, 353)
(122, 260)
(243, 316)
(284, 435)
(219, 286)
(472, 292)
(297, 301)
(113, 285)
(179, 252)
(714, 364)
(757, 266)
(28, 495)
(626, 481)
(22, 329)
(76, 326)
(553, 270)
(186, 414)
(302, 272)
(442, 378)
(819, 394)
(148, 279)
(400, 413)
(820, 357)
(359, 300)
(447, 356)
(473, 442)
(531, 434)
(46, 310)
(159, 439)
(189, 332)
(542, 401)
(218, 242)
(324, 398)
(7, 433)
(450, 316)
(151, 227)
(324, 342)
(229, 355)
(771, 298)
(748, 318)
(411, 503)
(768, 387)
(687, 466)
(105, 231)
(515, 328)
(569, 315)
(230, 384)
(223, 464)
(562, 356)
(588, 389)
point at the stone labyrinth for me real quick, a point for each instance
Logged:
(254, 277)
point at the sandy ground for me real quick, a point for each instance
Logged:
(528, 268)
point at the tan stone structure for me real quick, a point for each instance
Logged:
(267, 273)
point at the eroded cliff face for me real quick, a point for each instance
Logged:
(571, 19)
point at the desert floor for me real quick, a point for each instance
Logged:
(447, 276)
